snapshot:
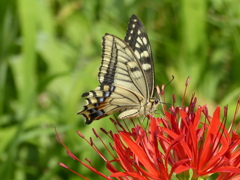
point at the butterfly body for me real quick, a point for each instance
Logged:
(126, 77)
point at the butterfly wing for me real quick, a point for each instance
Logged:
(137, 39)
(123, 83)
(107, 99)
(126, 76)
(120, 66)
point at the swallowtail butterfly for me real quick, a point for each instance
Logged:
(126, 77)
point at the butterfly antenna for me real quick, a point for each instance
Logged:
(161, 96)
(170, 80)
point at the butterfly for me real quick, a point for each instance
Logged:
(126, 77)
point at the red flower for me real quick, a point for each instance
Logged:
(183, 143)
(201, 139)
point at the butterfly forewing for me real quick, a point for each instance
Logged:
(137, 39)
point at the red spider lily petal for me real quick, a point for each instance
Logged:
(143, 155)
(212, 153)
(235, 178)
(127, 161)
(66, 167)
(229, 172)
(190, 141)
(228, 176)
(229, 169)
(123, 153)
(154, 155)
(179, 167)
(111, 168)
(193, 144)
(152, 144)
(177, 139)
(139, 153)
(175, 142)
(235, 157)
(131, 175)
(75, 158)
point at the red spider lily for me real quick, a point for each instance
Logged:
(205, 143)
(185, 140)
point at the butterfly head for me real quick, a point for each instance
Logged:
(152, 105)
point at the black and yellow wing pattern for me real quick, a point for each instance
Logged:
(126, 77)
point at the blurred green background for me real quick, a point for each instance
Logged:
(50, 52)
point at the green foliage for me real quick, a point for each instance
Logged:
(50, 52)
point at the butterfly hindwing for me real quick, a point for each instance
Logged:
(105, 100)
